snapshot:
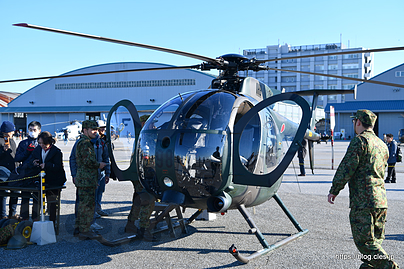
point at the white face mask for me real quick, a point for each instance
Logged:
(33, 134)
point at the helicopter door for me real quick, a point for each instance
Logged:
(262, 134)
(123, 128)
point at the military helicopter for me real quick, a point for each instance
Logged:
(221, 148)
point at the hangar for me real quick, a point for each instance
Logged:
(387, 102)
(57, 102)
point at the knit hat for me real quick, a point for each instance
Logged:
(7, 127)
(365, 116)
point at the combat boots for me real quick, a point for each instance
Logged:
(146, 234)
(89, 235)
(131, 227)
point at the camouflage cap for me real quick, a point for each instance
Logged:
(89, 124)
(365, 116)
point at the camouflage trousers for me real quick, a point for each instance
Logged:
(5, 234)
(141, 208)
(367, 225)
(86, 208)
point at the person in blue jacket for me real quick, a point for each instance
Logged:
(24, 151)
(391, 162)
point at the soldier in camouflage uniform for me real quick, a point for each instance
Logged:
(142, 207)
(86, 179)
(6, 233)
(363, 167)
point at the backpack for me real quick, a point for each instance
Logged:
(399, 155)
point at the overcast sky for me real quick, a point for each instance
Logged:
(209, 28)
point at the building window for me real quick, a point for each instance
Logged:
(318, 67)
(352, 75)
(399, 74)
(351, 56)
(125, 84)
(348, 86)
(350, 66)
(333, 67)
(331, 97)
(332, 57)
(289, 89)
(305, 68)
(288, 79)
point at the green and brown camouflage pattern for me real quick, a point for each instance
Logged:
(367, 225)
(85, 212)
(363, 168)
(365, 116)
(139, 211)
(87, 165)
(5, 234)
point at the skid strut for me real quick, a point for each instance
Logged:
(254, 229)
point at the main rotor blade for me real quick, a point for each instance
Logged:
(123, 42)
(331, 53)
(105, 72)
(341, 77)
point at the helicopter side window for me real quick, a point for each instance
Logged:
(160, 118)
(210, 112)
(250, 144)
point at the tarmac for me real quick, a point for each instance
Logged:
(328, 244)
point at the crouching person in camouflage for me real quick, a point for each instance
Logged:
(6, 233)
(363, 166)
(142, 208)
(86, 179)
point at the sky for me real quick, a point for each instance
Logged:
(208, 28)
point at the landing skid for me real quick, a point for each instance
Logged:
(254, 229)
(164, 215)
(117, 242)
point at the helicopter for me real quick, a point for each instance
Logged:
(221, 148)
(73, 129)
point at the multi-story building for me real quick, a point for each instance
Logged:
(356, 65)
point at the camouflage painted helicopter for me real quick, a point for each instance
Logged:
(222, 148)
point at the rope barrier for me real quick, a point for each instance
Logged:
(19, 179)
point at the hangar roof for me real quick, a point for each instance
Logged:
(70, 109)
(375, 106)
(7, 97)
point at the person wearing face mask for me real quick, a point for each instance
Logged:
(27, 146)
(24, 151)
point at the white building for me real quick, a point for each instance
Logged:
(57, 102)
(357, 65)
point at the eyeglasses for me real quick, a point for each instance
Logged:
(354, 120)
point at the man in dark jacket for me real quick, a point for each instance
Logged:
(27, 146)
(301, 154)
(391, 162)
(24, 151)
(7, 155)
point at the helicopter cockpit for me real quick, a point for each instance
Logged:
(196, 132)
(188, 144)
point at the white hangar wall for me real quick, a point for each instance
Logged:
(58, 101)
